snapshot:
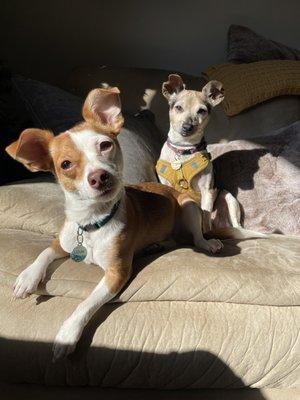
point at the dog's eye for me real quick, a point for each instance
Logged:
(105, 146)
(66, 164)
(201, 111)
(179, 108)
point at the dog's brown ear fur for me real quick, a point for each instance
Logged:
(32, 149)
(213, 92)
(102, 108)
(174, 85)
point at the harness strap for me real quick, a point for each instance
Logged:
(181, 177)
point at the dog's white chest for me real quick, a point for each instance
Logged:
(98, 243)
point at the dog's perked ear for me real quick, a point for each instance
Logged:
(32, 149)
(102, 108)
(173, 86)
(213, 92)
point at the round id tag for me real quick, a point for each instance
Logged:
(176, 164)
(78, 253)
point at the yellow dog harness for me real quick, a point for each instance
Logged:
(180, 174)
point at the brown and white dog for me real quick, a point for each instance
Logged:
(189, 115)
(107, 220)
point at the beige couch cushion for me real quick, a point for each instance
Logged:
(186, 320)
(153, 344)
(33, 205)
(261, 271)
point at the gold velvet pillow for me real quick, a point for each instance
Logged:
(249, 84)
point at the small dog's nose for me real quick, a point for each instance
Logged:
(97, 178)
(186, 127)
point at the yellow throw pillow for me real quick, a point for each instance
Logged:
(249, 84)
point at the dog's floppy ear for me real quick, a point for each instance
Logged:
(102, 108)
(213, 92)
(174, 85)
(32, 149)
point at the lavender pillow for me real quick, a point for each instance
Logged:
(245, 46)
(264, 176)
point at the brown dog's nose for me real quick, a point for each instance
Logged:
(97, 178)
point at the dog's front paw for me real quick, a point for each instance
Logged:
(214, 245)
(66, 340)
(27, 282)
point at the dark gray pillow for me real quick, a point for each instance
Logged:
(57, 110)
(245, 46)
(49, 107)
(13, 119)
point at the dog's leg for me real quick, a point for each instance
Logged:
(28, 280)
(234, 210)
(159, 247)
(205, 183)
(71, 330)
(192, 220)
(208, 197)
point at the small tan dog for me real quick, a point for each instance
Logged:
(184, 161)
(106, 222)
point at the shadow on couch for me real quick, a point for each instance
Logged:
(235, 169)
(30, 362)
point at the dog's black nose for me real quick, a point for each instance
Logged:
(98, 178)
(187, 127)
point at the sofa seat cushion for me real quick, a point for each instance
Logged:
(161, 344)
(257, 271)
(34, 205)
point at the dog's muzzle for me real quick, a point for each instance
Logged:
(187, 129)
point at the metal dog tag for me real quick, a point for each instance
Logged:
(78, 253)
(176, 164)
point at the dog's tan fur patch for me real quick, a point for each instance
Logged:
(62, 148)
